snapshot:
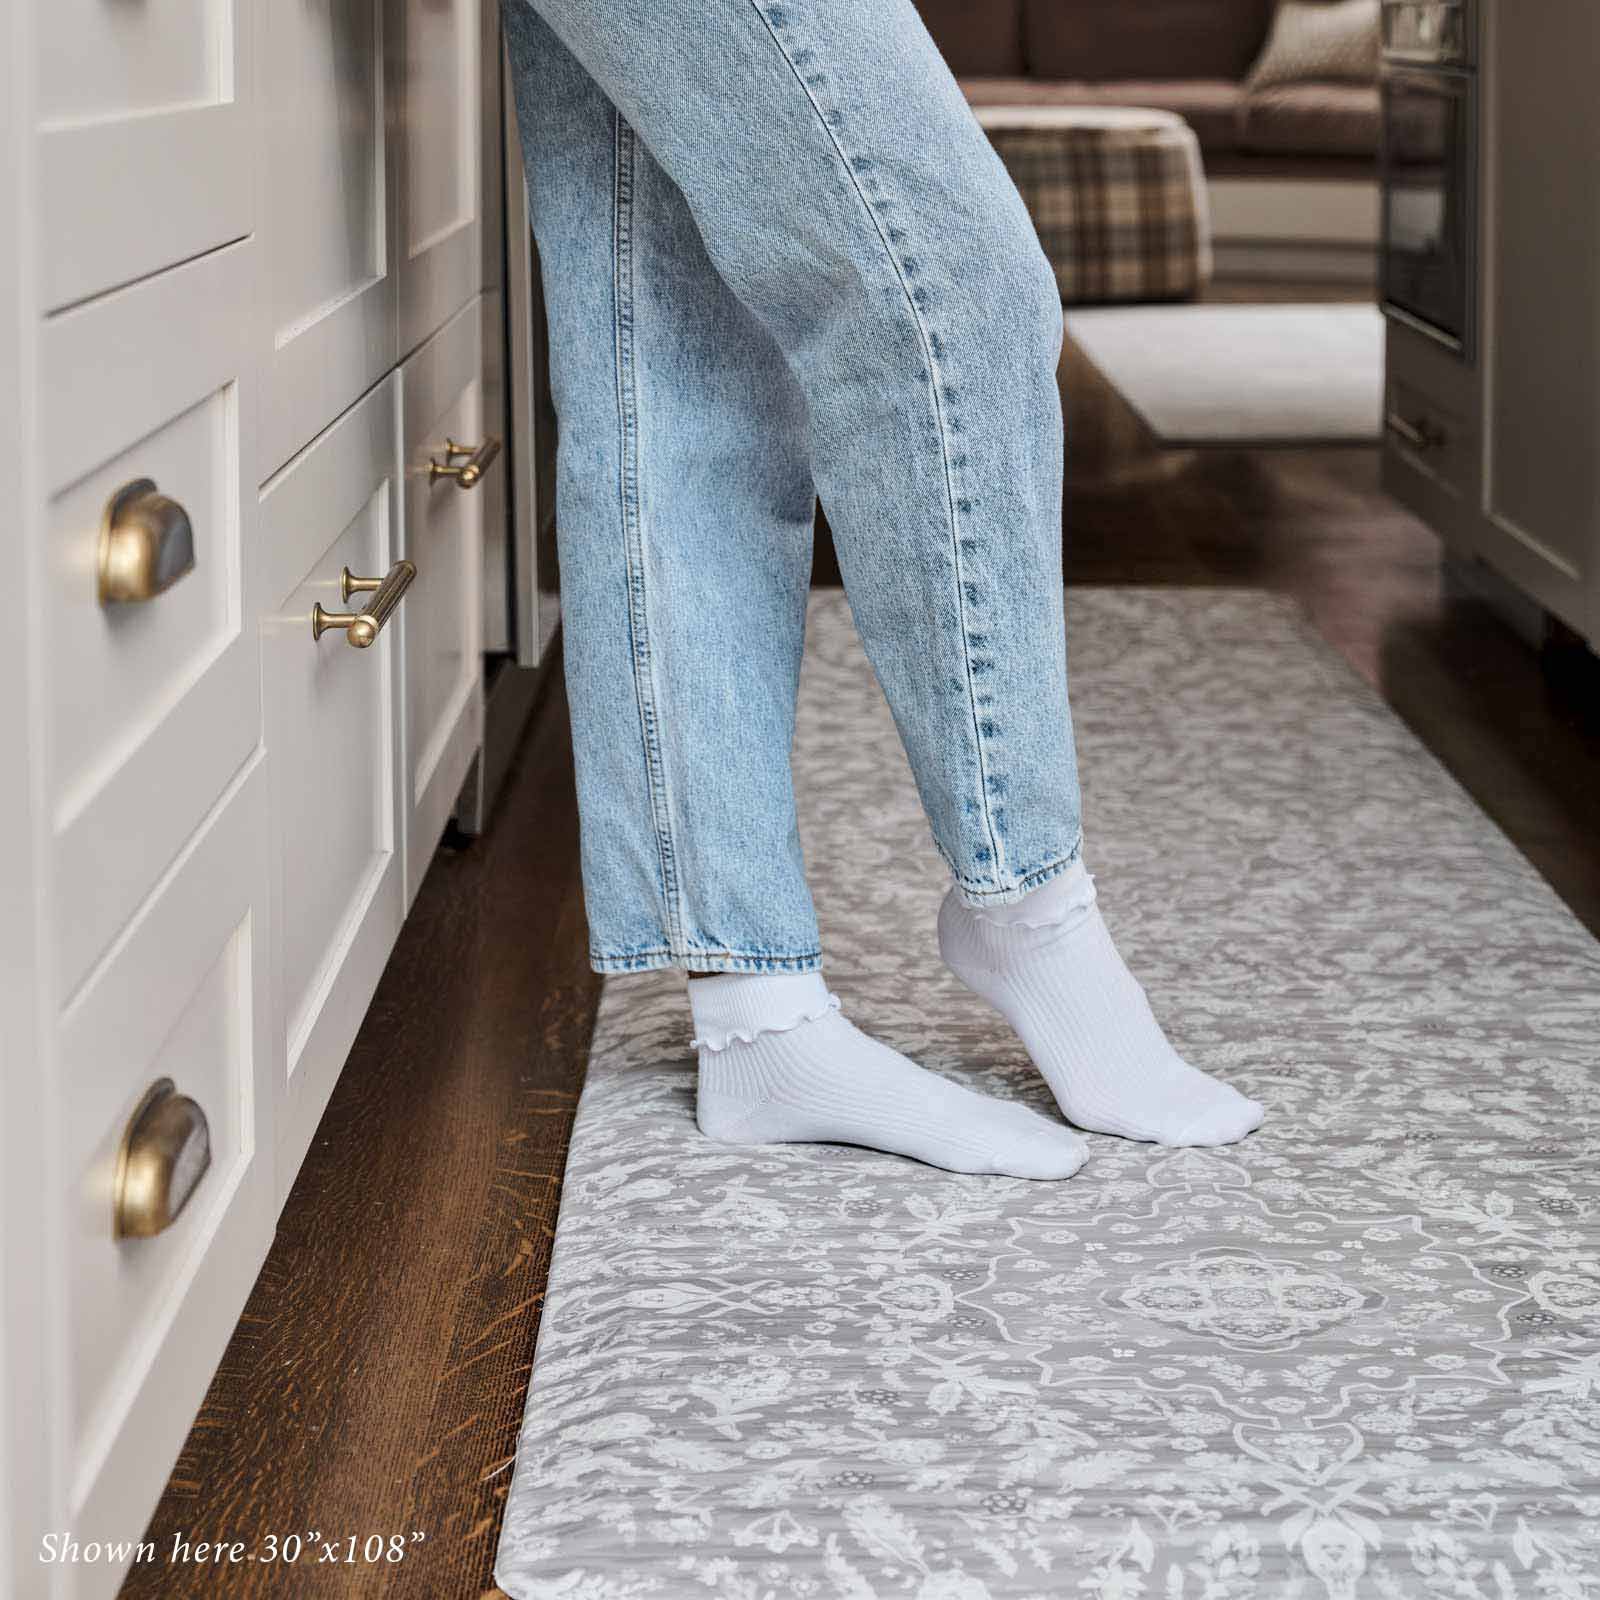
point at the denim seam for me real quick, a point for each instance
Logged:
(623, 178)
(661, 956)
(934, 385)
(1025, 883)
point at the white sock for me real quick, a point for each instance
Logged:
(1047, 964)
(778, 1063)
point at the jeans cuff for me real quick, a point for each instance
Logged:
(1004, 894)
(705, 961)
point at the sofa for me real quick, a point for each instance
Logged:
(1192, 57)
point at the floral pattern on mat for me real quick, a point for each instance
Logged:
(1357, 1355)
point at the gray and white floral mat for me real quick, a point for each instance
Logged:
(1356, 1356)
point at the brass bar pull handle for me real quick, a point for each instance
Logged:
(362, 627)
(1419, 435)
(146, 543)
(164, 1153)
(467, 473)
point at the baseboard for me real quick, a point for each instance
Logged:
(1306, 263)
(1523, 615)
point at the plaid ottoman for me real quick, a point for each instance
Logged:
(1117, 194)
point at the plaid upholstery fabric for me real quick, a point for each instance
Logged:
(1120, 209)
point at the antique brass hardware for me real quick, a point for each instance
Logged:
(146, 543)
(165, 1151)
(1421, 436)
(362, 627)
(467, 473)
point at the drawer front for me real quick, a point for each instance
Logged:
(1429, 437)
(182, 996)
(145, 128)
(327, 185)
(333, 723)
(439, 132)
(441, 401)
(155, 701)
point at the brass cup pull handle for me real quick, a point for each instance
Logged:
(467, 473)
(165, 1151)
(146, 543)
(362, 627)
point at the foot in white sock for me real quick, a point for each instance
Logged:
(1048, 965)
(779, 1064)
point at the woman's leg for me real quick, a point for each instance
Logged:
(685, 526)
(685, 508)
(850, 202)
(845, 194)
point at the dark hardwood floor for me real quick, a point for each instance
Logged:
(376, 1380)
(1519, 727)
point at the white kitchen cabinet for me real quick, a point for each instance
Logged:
(155, 702)
(333, 729)
(1493, 445)
(148, 1318)
(326, 170)
(441, 388)
(439, 151)
(145, 119)
(243, 297)
(1541, 472)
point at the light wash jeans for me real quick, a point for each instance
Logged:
(781, 260)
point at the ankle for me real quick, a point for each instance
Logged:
(1065, 897)
(740, 1006)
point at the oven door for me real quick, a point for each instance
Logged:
(1427, 262)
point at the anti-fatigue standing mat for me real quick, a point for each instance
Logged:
(1356, 1356)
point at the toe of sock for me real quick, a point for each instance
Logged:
(1057, 1153)
(1224, 1123)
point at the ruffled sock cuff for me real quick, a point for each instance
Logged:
(742, 1005)
(1065, 898)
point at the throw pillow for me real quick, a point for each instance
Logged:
(1326, 41)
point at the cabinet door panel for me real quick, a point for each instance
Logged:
(184, 996)
(154, 701)
(332, 727)
(1542, 473)
(442, 400)
(145, 129)
(439, 152)
(328, 215)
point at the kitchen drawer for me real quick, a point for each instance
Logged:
(145, 116)
(1429, 437)
(182, 996)
(439, 160)
(329, 284)
(333, 731)
(441, 404)
(155, 703)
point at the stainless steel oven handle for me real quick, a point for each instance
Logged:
(1421, 436)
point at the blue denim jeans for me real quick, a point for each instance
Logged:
(781, 260)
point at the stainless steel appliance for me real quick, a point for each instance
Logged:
(1428, 253)
(1437, 33)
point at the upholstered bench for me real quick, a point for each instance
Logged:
(1117, 194)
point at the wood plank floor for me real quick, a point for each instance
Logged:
(376, 1380)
